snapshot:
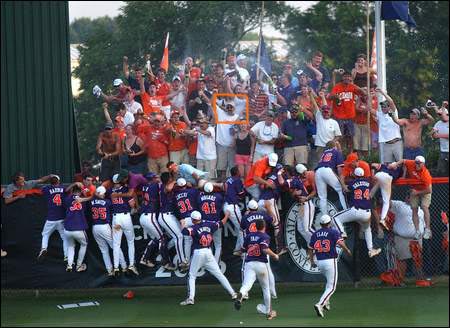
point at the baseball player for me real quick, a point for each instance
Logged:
(54, 193)
(202, 236)
(234, 191)
(210, 205)
(101, 228)
(330, 164)
(75, 226)
(256, 245)
(167, 219)
(121, 222)
(384, 177)
(359, 211)
(323, 244)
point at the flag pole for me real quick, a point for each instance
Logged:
(369, 96)
(258, 57)
(381, 50)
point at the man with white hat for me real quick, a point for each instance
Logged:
(360, 210)
(241, 61)
(119, 97)
(258, 173)
(323, 244)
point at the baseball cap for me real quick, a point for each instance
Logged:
(208, 187)
(241, 57)
(117, 82)
(176, 77)
(196, 215)
(300, 168)
(300, 72)
(181, 182)
(351, 158)
(55, 176)
(122, 174)
(273, 159)
(252, 204)
(420, 159)
(325, 219)
(101, 190)
(115, 178)
(150, 175)
(359, 172)
(415, 111)
(109, 126)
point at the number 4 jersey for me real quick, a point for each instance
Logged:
(323, 242)
(55, 196)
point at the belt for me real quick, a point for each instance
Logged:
(393, 141)
(121, 213)
(167, 213)
(359, 208)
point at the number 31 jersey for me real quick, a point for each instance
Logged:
(323, 242)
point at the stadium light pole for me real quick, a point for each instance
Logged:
(381, 50)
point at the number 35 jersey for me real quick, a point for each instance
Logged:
(360, 193)
(323, 242)
(254, 244)
(202, 233)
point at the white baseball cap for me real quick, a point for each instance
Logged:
(55, 176)
(208, 187)
(241, 57)
(300, 168)
(176, 77)
(196, 215)
(115, 178)
(420, 159)
(325, 219)
(181, 182)
(117, 82)
(252, 204)
(359, 172)
(101, 190)
(273, 159)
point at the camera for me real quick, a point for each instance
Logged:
(232, 73)
(430, 104)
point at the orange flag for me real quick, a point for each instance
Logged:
(165, 60)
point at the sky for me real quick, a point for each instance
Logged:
(94, 9)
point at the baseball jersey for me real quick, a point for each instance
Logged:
(120, 204)
(210, 205)
(331, 158)
(254, 244)
(394, 173)
(166, 200)
(55, 196)
(248, 224)
(202, 233)
(360, 193)
(269, 193)
(234, 190)
(75, 219)
(324, 242)
(150, 194)
(101, 210)
(296, 184)
(186, 202)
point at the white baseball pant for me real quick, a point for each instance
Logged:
(126, 227)
(235, 217)
(49, 228)
(203, 258)
(186, 223)
(257, 270)
(149, 222)
(355, 215)
(217, 239)
(305, 220)
(79, 236)
(329, 269)
(170, 224)
(103, 236)
(325, 176)
(384, 181)
(271, 278)
(272, 205)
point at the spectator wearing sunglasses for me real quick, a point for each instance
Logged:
(265, 134)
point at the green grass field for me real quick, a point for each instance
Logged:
(158, 306)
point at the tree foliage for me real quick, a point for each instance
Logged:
(82, 28)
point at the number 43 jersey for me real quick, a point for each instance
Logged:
(202, 233)
(323, 242)
(254, 244)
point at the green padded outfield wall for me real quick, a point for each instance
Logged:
(37, 117)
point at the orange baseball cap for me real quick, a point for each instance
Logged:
(351, 157)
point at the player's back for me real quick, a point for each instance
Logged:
(331, 158)
(254, 244)
(210, 205)
(75, 218)
(150, 194)
(248, 222)
(202, 233)
(55, 197)
(395, 173)
(360, 193)
(185, 201)
(269, 193)
(323, 242)
(234, 190)
(100, 210)
(166, 200)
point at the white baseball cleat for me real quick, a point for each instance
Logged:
(169, 267)
(261, 309)
(116, 272)
(69, 268)
(319, 310)
(133, 269)
(187, 301)
(374, 252)
(96, 91)
(234, 296)
(274, 296)
(82, 267)
(147, 263)
(4, 253)
(237, 253)
(427, 234)
(245, 297)
(111, 273)
(327, 306)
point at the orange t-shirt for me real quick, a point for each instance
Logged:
(260, 169)
(89, 191)
(156, 142)
(162, 90)
(347, 170)
(360, 117)
(423, 175)
(120, 132)
(309, 181)
(177, 144)
(151, 104)
(143, 129)
(192, 148)
(346, 93)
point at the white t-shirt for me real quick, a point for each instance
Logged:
(206, 148)
(265, 133)
(179, 100)
(387, 128)
(243, 73)
(128, 118)
(326, 130)
(224, 136)
(240, 104)
(442, 127)
(403, 224)
(133, 107)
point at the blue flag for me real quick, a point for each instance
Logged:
(391, 10)
(264, 61)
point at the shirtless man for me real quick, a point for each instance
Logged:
(109, 148)
(412, 132)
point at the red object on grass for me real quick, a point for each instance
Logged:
(128, 295)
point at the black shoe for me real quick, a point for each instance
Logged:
(238, 302)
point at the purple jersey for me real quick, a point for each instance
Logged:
(55, 197)
(136, 180)
(296, 184)
(254, 244)
(75, 219)
(395, 174)
(166, 200)
(121, 204)
(186, 202)
(331, 158)
(234, 190)
(210, 205)
(202, 233)
(360, 193)
(248, 224)
(150, 194)
(269, 193)
(100, 211)
(323, 242)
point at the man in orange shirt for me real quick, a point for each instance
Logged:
(351, 163)
(151, 102)
(156, 143)
(361, 136)
(258, 172)
(415, 169)
(177, 139)
(343, 94)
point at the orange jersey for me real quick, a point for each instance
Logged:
(423, 175)
(162, 90)
(151, 104)
(346, 94)
(260, 169)
(347, 170)
(179, 143)
(192, 149)
(156, 142)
